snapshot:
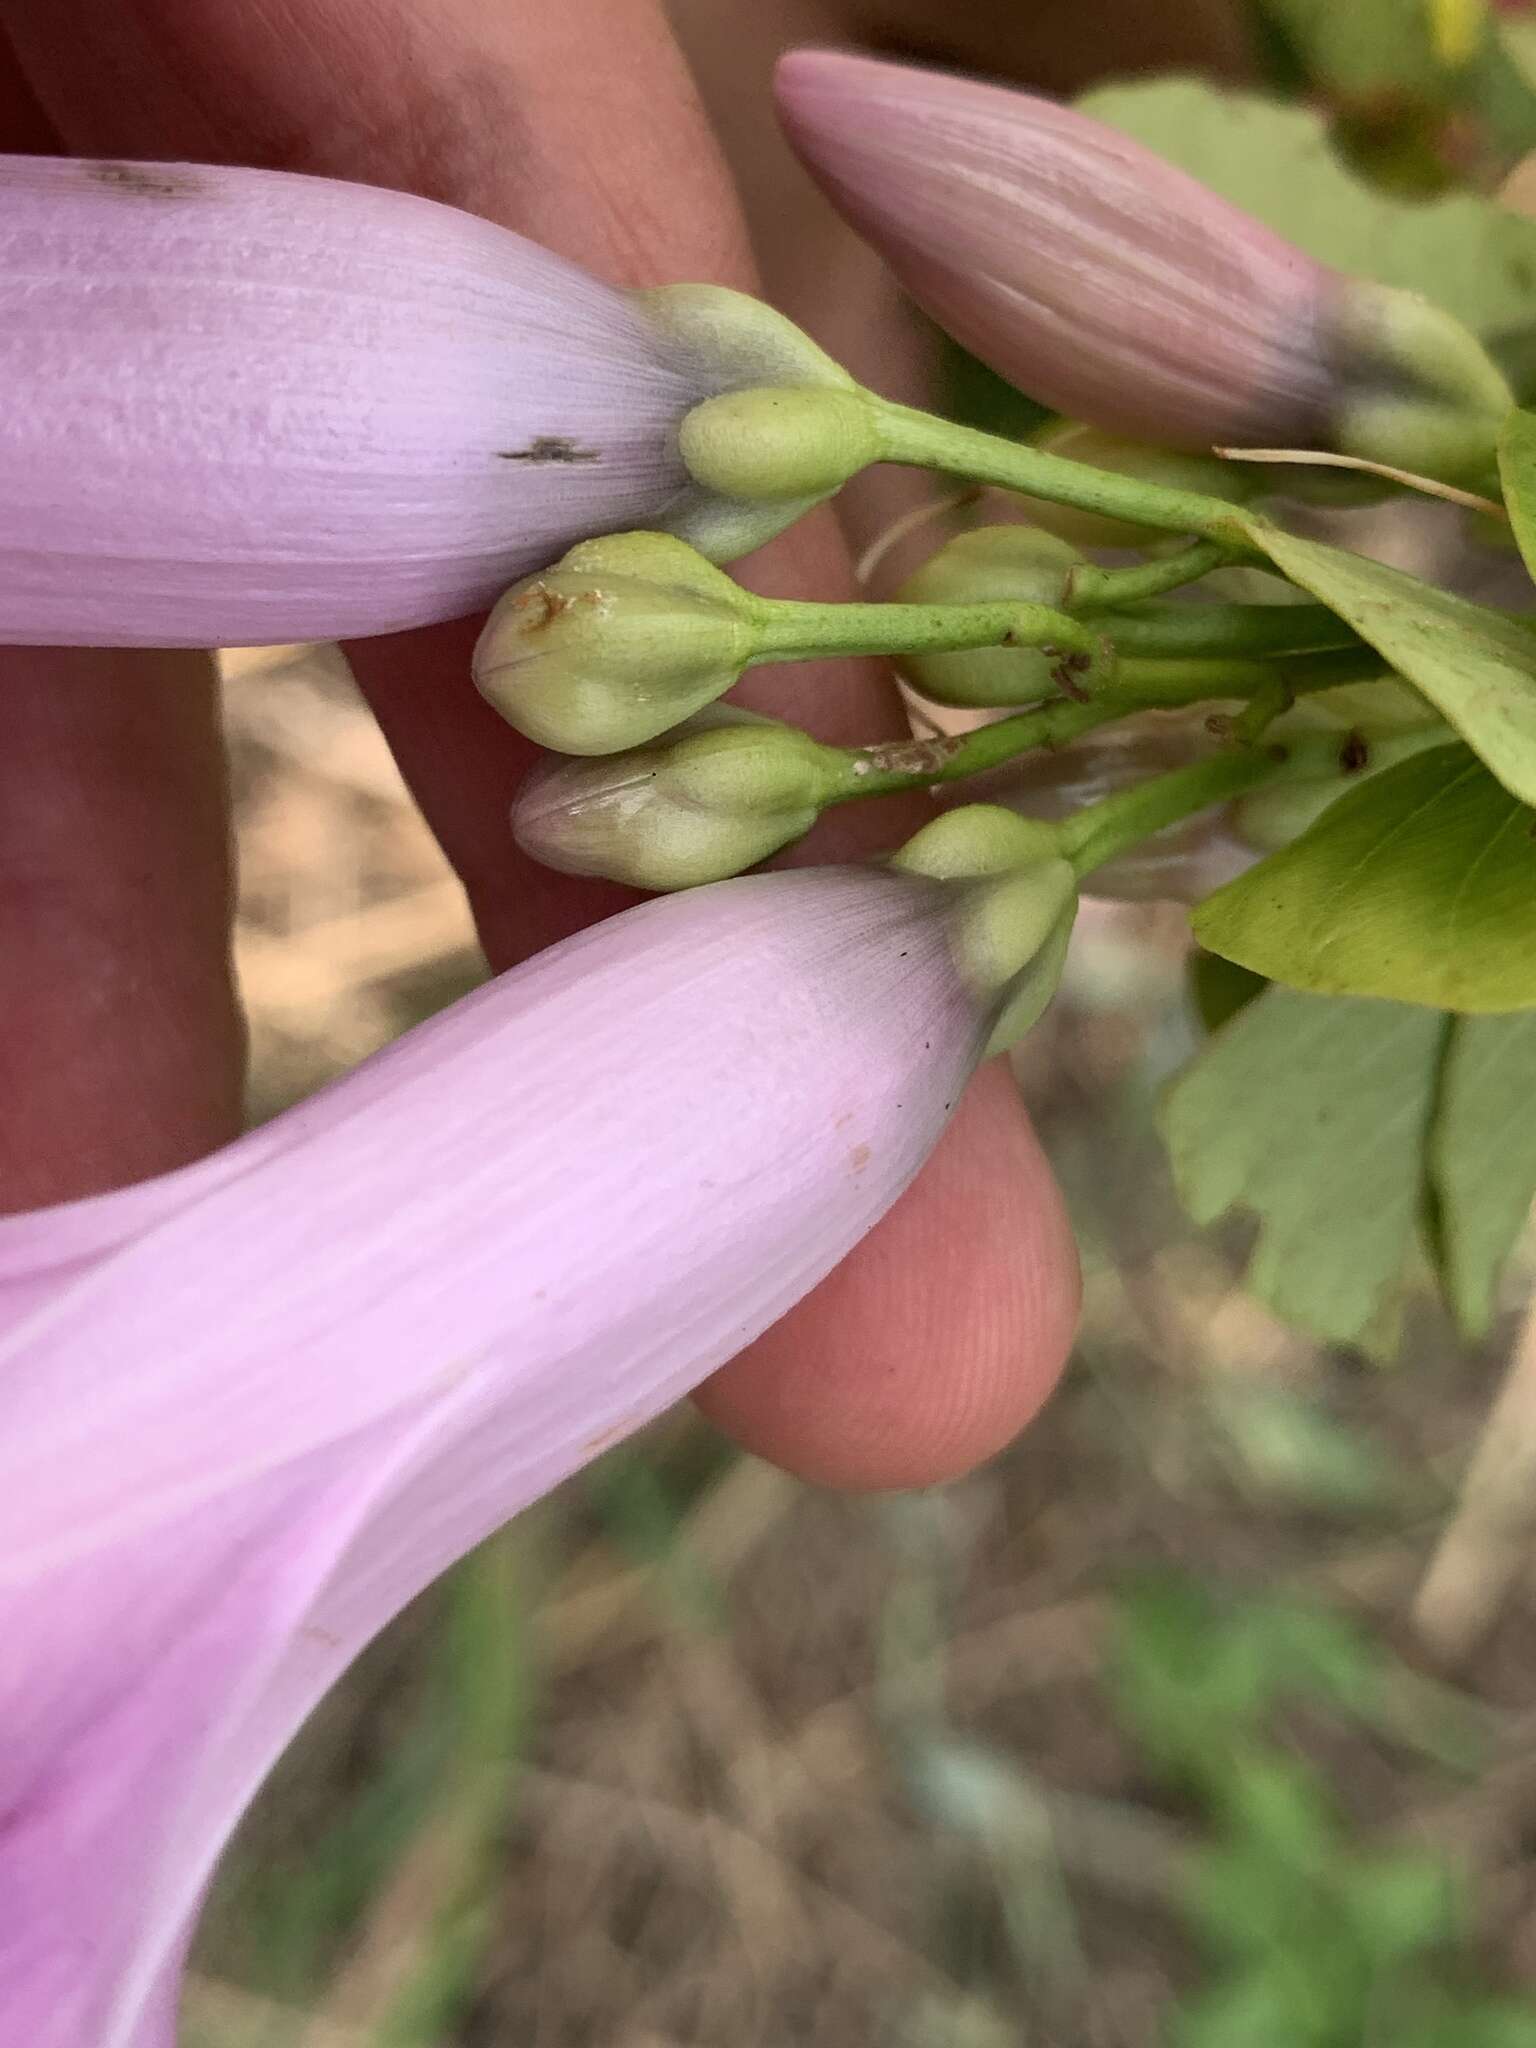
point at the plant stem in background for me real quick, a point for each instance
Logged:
(1486, 1547)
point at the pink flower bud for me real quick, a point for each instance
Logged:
(1098, 278)
(251, 1409)
(245, 406)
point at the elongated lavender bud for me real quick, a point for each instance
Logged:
(254, 1408)
(245, 406)
(1120, 291)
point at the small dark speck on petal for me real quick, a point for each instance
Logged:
(550, 448)
(147, 181)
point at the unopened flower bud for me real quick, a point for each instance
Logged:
(988, 564)
(246, 406)
(1416, 391)
(770, 445)
(1015, 905)
(1270, 818)
(621, 640)
(1118, 290)
(721, 794)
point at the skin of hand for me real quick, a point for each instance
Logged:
(578, 124)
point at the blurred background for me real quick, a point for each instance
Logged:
(1148, 1733)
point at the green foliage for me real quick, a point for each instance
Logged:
(1367, 49)
(1477, 667)
(1517, 473)
(1317, 1941)
(1313, 1115)
(1219, 988)
(1483, 1157)
(641, 1514)
(1402, 66)
(1463, 251)
(1418, 886)
(1291, 1449)
(1337, 1124)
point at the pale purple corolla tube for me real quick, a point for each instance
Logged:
(1097, 277)
(253, 1407)
(245, 406)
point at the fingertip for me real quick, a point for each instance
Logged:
(937, 1341)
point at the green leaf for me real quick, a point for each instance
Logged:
(1419, 886)
(1517, 472)
(1477, 667)
(1220, 988)
(1471, 256)
(1404, 1903)
(1312, 1115)
(1268, 2007)
(1366, 49)
(1277, 1806)
(1483, 1157)
(1467, 2023)
(1188, 1677)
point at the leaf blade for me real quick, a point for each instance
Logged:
(1417, 887)
(1477, 667)
(1471, 256)
(1312, 1115)
(1517, 473)
(1482, 1158)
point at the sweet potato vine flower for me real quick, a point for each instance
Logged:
(247, 406)
(1116, 289)
(253, 1407)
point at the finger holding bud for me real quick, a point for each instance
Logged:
(723, 792)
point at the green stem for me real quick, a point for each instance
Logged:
(1099, 832)
(791, 631)
(892, 767)
(1090, 588)
(1218, 629)
(906, 435)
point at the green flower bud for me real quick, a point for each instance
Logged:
(1271, 817)
(991, 563)
(617, 643)
(1015, 904)
(777, 443)
(721, 794)
(1376, 710)
(740, 346)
